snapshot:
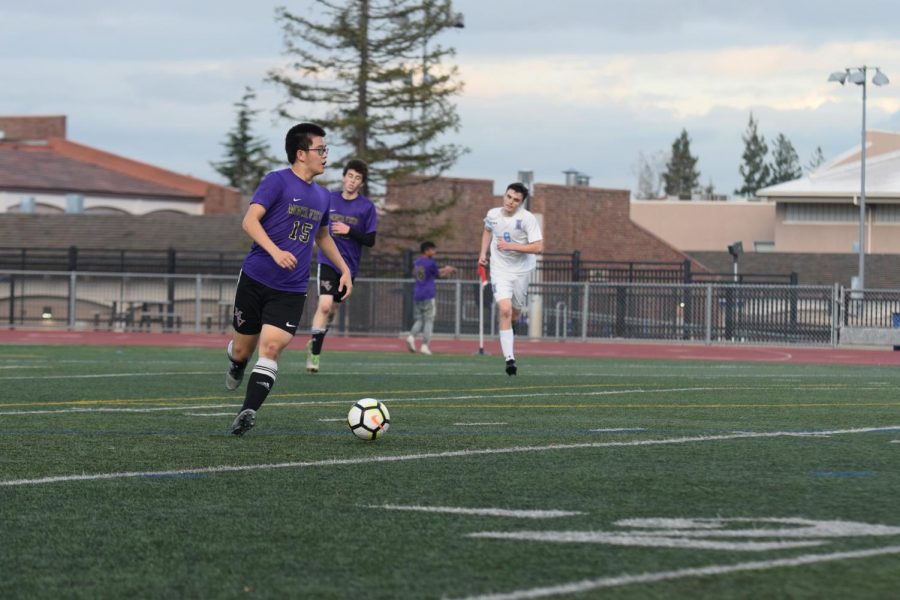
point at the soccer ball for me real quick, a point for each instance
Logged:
(368, 419)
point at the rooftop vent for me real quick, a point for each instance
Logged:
(577, 178)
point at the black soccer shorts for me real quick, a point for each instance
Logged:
(329, 280)
(256, 304)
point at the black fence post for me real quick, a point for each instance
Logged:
(73, 258)
(621, 309)
(170, 287)
(687, 308)
(576, 265)
(409, 260)
(12, 300)
(793, 301)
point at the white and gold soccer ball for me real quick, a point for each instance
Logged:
(369, 419)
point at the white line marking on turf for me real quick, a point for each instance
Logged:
(103, 375)
(618, 430)
(477, 424)
(209, 414)
(331, 420)
(392, 400)
(336, 462)
(621, 539)
(483, 512)
(579, 587)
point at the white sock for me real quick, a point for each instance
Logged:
(506, 344)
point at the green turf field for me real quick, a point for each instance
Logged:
(578, 478)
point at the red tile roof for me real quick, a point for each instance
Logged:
(35, 156)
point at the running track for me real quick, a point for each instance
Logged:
(597, 349)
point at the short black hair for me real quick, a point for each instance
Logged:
(519, 187)
(425, 246)
(359, 166)
(299, 137)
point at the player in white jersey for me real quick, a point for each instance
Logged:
(513, 236)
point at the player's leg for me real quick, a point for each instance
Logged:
(428, 312)
(329, 297)
(518, 304)
(417, 326)
(280, 310)
(247, 324)
(503, 293)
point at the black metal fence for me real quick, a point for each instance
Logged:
(552, 267)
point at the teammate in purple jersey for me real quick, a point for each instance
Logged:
(425, 271)
(353, 225)
(288, 213)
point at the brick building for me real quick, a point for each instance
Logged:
(594, 221)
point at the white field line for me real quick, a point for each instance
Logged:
(486, 396)
(579, 587)
(483, 512)
(229, 414)
(112, 375)
(618, 430)
(337, 462)
(478, 424)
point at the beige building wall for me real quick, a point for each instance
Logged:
(835, 238)
(710, 226)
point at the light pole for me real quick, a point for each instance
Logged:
(857, 75)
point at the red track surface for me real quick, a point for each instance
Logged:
(598, 349)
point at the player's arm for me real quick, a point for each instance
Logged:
(364, 239)
(330, 250)
(486, 236)
(535, 247)
(446, 271)
(253, 226)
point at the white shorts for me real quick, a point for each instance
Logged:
(512, 286)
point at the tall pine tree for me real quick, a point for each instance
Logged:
(785, 162)
(681, 176)
(372, 73)
(246, 161)
(754, 170)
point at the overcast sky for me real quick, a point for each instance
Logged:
(582, 84)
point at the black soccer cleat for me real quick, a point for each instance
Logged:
(511, 367)
(243, 422)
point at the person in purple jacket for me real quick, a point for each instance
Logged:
(425, 271)
(287, 215)
(354, 222)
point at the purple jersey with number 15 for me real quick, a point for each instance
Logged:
(294, 212)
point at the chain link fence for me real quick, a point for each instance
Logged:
(704, 313)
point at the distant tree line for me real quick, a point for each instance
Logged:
(676, 174)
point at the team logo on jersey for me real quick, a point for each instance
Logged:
(519, 224)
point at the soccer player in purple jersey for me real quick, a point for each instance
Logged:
(425, 271)
(287, 214)
(353, 224)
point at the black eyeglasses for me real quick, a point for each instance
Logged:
(322, 150)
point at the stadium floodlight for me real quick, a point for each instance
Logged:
(857, 75)
(880, 78)
(839, 76)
